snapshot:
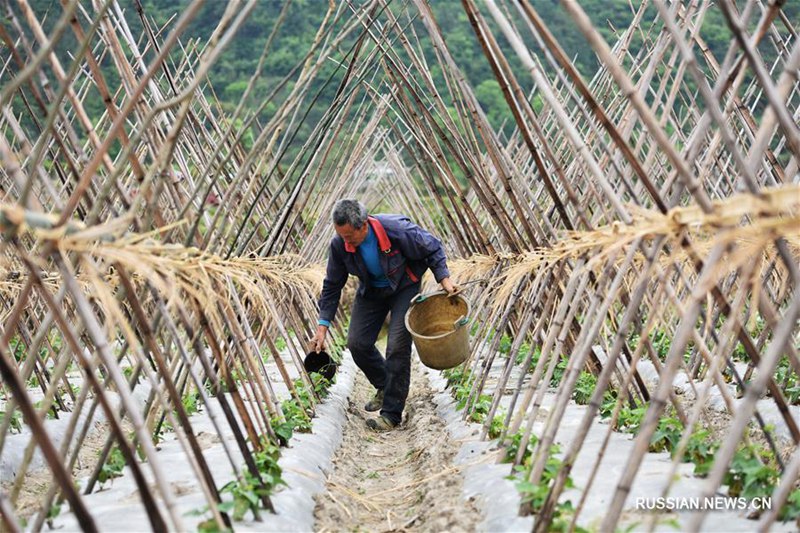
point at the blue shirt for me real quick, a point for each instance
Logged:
(368, 250)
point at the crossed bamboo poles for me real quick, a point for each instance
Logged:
(636, 135)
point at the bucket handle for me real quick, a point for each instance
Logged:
(460, 321)
(419, 298)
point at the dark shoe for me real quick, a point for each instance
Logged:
(380, 424)
(375, 403)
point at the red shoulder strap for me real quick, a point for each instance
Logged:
(384, 244)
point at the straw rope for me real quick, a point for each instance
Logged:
(751, 222)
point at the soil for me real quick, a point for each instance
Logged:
(719, 424)
(38, 482)
(399, 480)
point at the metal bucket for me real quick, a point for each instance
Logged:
(437, 325)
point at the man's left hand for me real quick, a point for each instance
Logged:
(449, 286)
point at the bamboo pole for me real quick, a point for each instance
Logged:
(595, 401)
(566, 125)
(767, 366)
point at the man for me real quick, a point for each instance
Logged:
(389, 254)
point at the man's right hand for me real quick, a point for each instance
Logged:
(318, 341)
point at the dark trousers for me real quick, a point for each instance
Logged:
(392, 374)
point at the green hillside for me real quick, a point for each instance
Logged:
(230, 74)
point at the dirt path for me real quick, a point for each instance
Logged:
(401, 480)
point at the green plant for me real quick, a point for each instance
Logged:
(296, 416)
(661, 341)
(321, 384)
(505, 344)
(190, 404)
(630, 419)
(337, 345)
(461, 392)
(584, 388)
(296, 410)
(609, 401)
(667, 435)
(752, 473)
(562, 522)
(480, 408)
(756, 326)
(633, 339)
(113, 466)
(523, 353)
(280, 344)
(127, 371)
(524, 348)
(700, 451)
(296, 413)
(455, 375)
(56, 341)
(284, 429)
(783, 376)
(52, 514)
(18, 348)
(236, 376)
(303, 395)
(51, 413)
(248, 491)
(211, 526)
(266, 461)
(793, 394)
(558, 372)
(497, 425)
(15, 421)
(791, 509)
(739, 353)
(245, 495)
(534, 495)
(166, 427)
(514, 442)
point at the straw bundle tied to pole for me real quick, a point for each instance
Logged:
(177, 270)
(752, 222)
(478, 267)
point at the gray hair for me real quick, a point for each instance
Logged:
(349, 211)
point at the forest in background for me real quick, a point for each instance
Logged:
(230, 74)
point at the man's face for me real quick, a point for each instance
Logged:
(351, 235)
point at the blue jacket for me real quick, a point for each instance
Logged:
(407, 251)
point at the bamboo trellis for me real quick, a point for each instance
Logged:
(639, 231)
